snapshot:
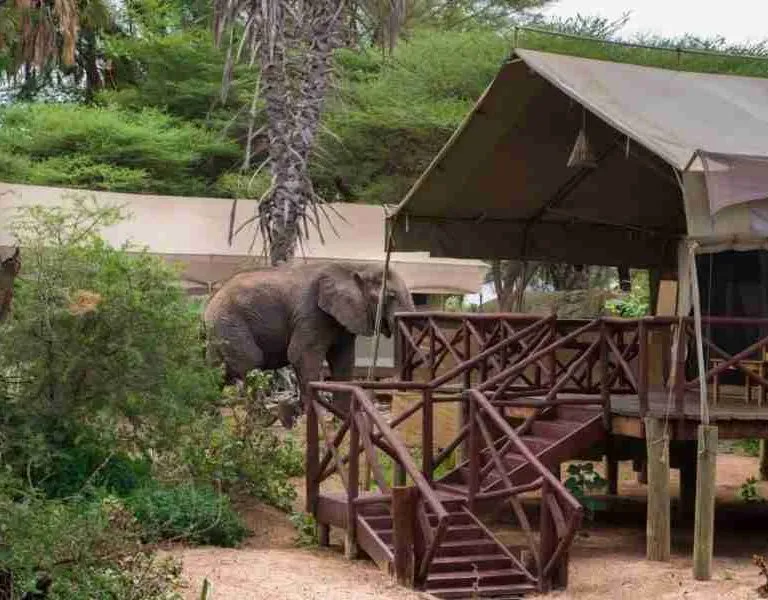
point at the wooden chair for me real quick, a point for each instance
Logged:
(759, 367)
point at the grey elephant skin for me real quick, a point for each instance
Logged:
(300, 315)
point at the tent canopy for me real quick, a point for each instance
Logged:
(678, 155)
(192, 232)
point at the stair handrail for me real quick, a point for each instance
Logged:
(406, 460)
(545, 476)
(522, 448)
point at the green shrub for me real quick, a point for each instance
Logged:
(749, 492)
(750, 446)
(108, 148)
(101, 364)
(582, 481)
(90, 548)
(187, 513)
(306, 529)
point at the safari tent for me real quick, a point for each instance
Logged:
(672, 158)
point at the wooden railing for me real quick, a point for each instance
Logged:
(561, 513)
(360, 424)
(521, 357)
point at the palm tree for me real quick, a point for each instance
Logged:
(42, 37)
(293, 42)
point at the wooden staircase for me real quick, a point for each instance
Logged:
(554, 437)
(469, 559)
(455, 555)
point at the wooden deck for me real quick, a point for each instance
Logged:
(735, 418)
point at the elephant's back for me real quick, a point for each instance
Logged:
(258, 301)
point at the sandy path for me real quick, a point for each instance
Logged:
(607, 558)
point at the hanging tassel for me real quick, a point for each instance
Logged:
(581, 155)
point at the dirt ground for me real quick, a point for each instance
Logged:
(607, 560)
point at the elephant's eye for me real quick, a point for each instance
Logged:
(391, 294)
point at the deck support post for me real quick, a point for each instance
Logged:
(763, 472)
(403, 520)
(658, 519)
(704, 527)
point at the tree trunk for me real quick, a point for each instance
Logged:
(296, 65)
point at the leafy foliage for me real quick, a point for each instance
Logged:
(749, 446)
(582, 481)
(90, 548)
(306, 529)
(101, 353)
(188, 513)
(637, 302)
(389, 117)
(749, 492)
(103, 381)
(109, 149)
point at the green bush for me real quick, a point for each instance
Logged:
(90, 548)
(106, 148)
(187, 513)
(101, 360)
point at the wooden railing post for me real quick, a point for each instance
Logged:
(466, 384)
(427, 437)
(474, 452)
(312, 452)
(605, 390)
(642, 366)
(353, 484)
(551, 357)
(548, 538)
(403, 520)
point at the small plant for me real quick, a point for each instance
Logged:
(581, 482)
(748, 492)
(306, 529)
(750, 446)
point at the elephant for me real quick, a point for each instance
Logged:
(300, 315)
(9, 269)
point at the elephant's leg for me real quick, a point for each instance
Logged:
(341, 360)
(308, 368)
(239, 351)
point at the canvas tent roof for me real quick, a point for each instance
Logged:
(193, 232)
(679, 155)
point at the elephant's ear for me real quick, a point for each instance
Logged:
(340, 294)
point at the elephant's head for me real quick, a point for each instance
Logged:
(350, 293)
(9, 269)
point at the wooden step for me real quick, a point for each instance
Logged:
(467, 547)
(454, 532)
(501, 592)
(469, 561)
(379, 522)
(537, 444)
(495, 577)
(553, 430)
